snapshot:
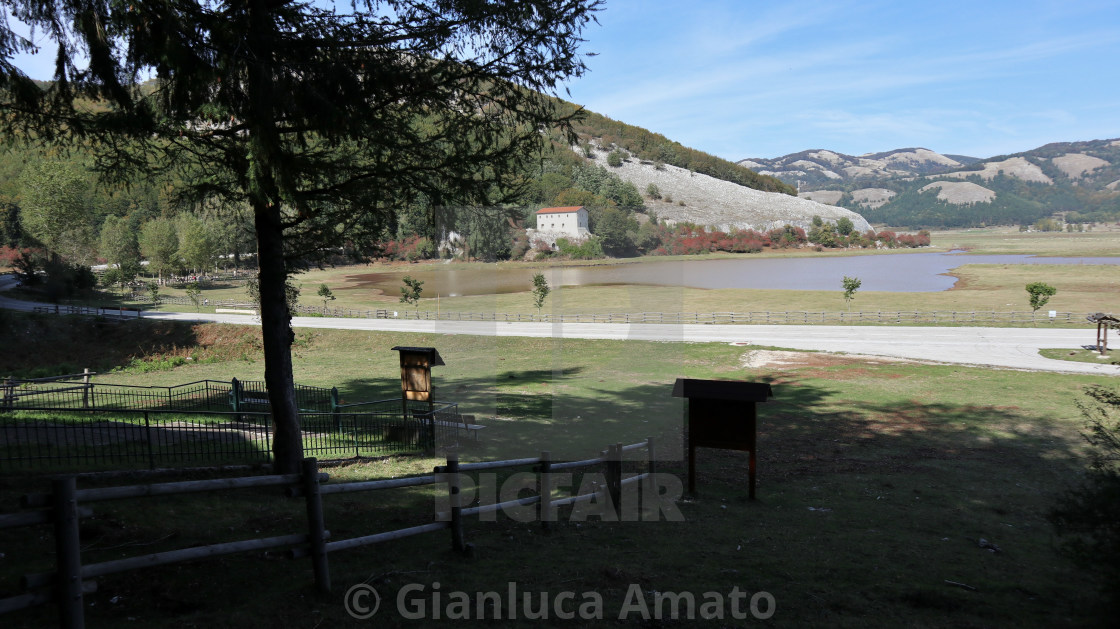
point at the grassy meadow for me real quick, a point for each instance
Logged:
(877, 482)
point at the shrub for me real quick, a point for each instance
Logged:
(589, 249)
(1087, 517)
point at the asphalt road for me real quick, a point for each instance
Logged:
(1008, 348)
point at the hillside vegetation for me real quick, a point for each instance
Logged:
(1078, 182)
(654, 147)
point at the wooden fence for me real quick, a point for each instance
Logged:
(768, 317)
(71, 579)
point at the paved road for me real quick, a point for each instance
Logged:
(1013, 348)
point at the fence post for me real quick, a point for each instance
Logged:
(148, 435)
(453, 483)
(545, 511)
(614, 477)
(85, 388)
(235, 391)
(68, 553)
(651, 469)
(315, 535)
(334, 409)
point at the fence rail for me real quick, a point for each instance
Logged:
(67, 584)
(785, 317)
(768, 317)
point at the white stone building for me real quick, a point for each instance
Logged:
(560, 222)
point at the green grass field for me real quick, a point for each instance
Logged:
(1103, 240)
(877, 481)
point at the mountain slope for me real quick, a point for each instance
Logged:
(918, 187)
(697, 198)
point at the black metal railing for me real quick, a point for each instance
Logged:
(46, 438)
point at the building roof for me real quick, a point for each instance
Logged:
(560, 210)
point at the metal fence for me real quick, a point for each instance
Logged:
(71, 421)
(114, 438)
(76, 391)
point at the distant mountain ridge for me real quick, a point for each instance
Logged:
(920, 187)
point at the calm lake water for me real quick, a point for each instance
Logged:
(900, 273)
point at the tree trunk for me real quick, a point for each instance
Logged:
(264, 198)
(277, 336)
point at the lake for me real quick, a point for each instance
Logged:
(899, 273)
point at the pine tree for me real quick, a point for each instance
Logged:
(321, 122)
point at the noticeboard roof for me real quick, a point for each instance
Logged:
(722, 390)
(434, 360)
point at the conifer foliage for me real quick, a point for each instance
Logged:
(320, 120)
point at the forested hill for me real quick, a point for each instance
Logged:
(145, 200)
(656, 148)
(1077, 181)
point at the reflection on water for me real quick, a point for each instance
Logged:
(898, 273)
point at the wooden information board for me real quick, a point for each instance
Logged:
(721, 414)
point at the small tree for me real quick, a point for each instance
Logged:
(110, 277)
(1040, 293)
(540, 291)
(614, 158)
(845, 226)
(194, 293)
(325, 294)
(153, 293)
(291, 294)
(851, 285)
(411, 291)
(653, 192)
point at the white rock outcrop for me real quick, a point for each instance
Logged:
(713, 202)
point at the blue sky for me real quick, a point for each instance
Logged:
(745, 79)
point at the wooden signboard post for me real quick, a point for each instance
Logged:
(721, 414)
(416, 375)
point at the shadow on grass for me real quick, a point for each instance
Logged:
(865, 511)
(55, 345)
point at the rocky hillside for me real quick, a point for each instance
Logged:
(1079, 181)
(688, 196)
(818, 169)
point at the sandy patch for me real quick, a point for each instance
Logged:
(872, 197)
(828, 197)
(1075, 165)
(960, 192)
(1017, 167)
(758, 358)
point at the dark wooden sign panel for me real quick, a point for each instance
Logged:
(721, 414)
(416, 373)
